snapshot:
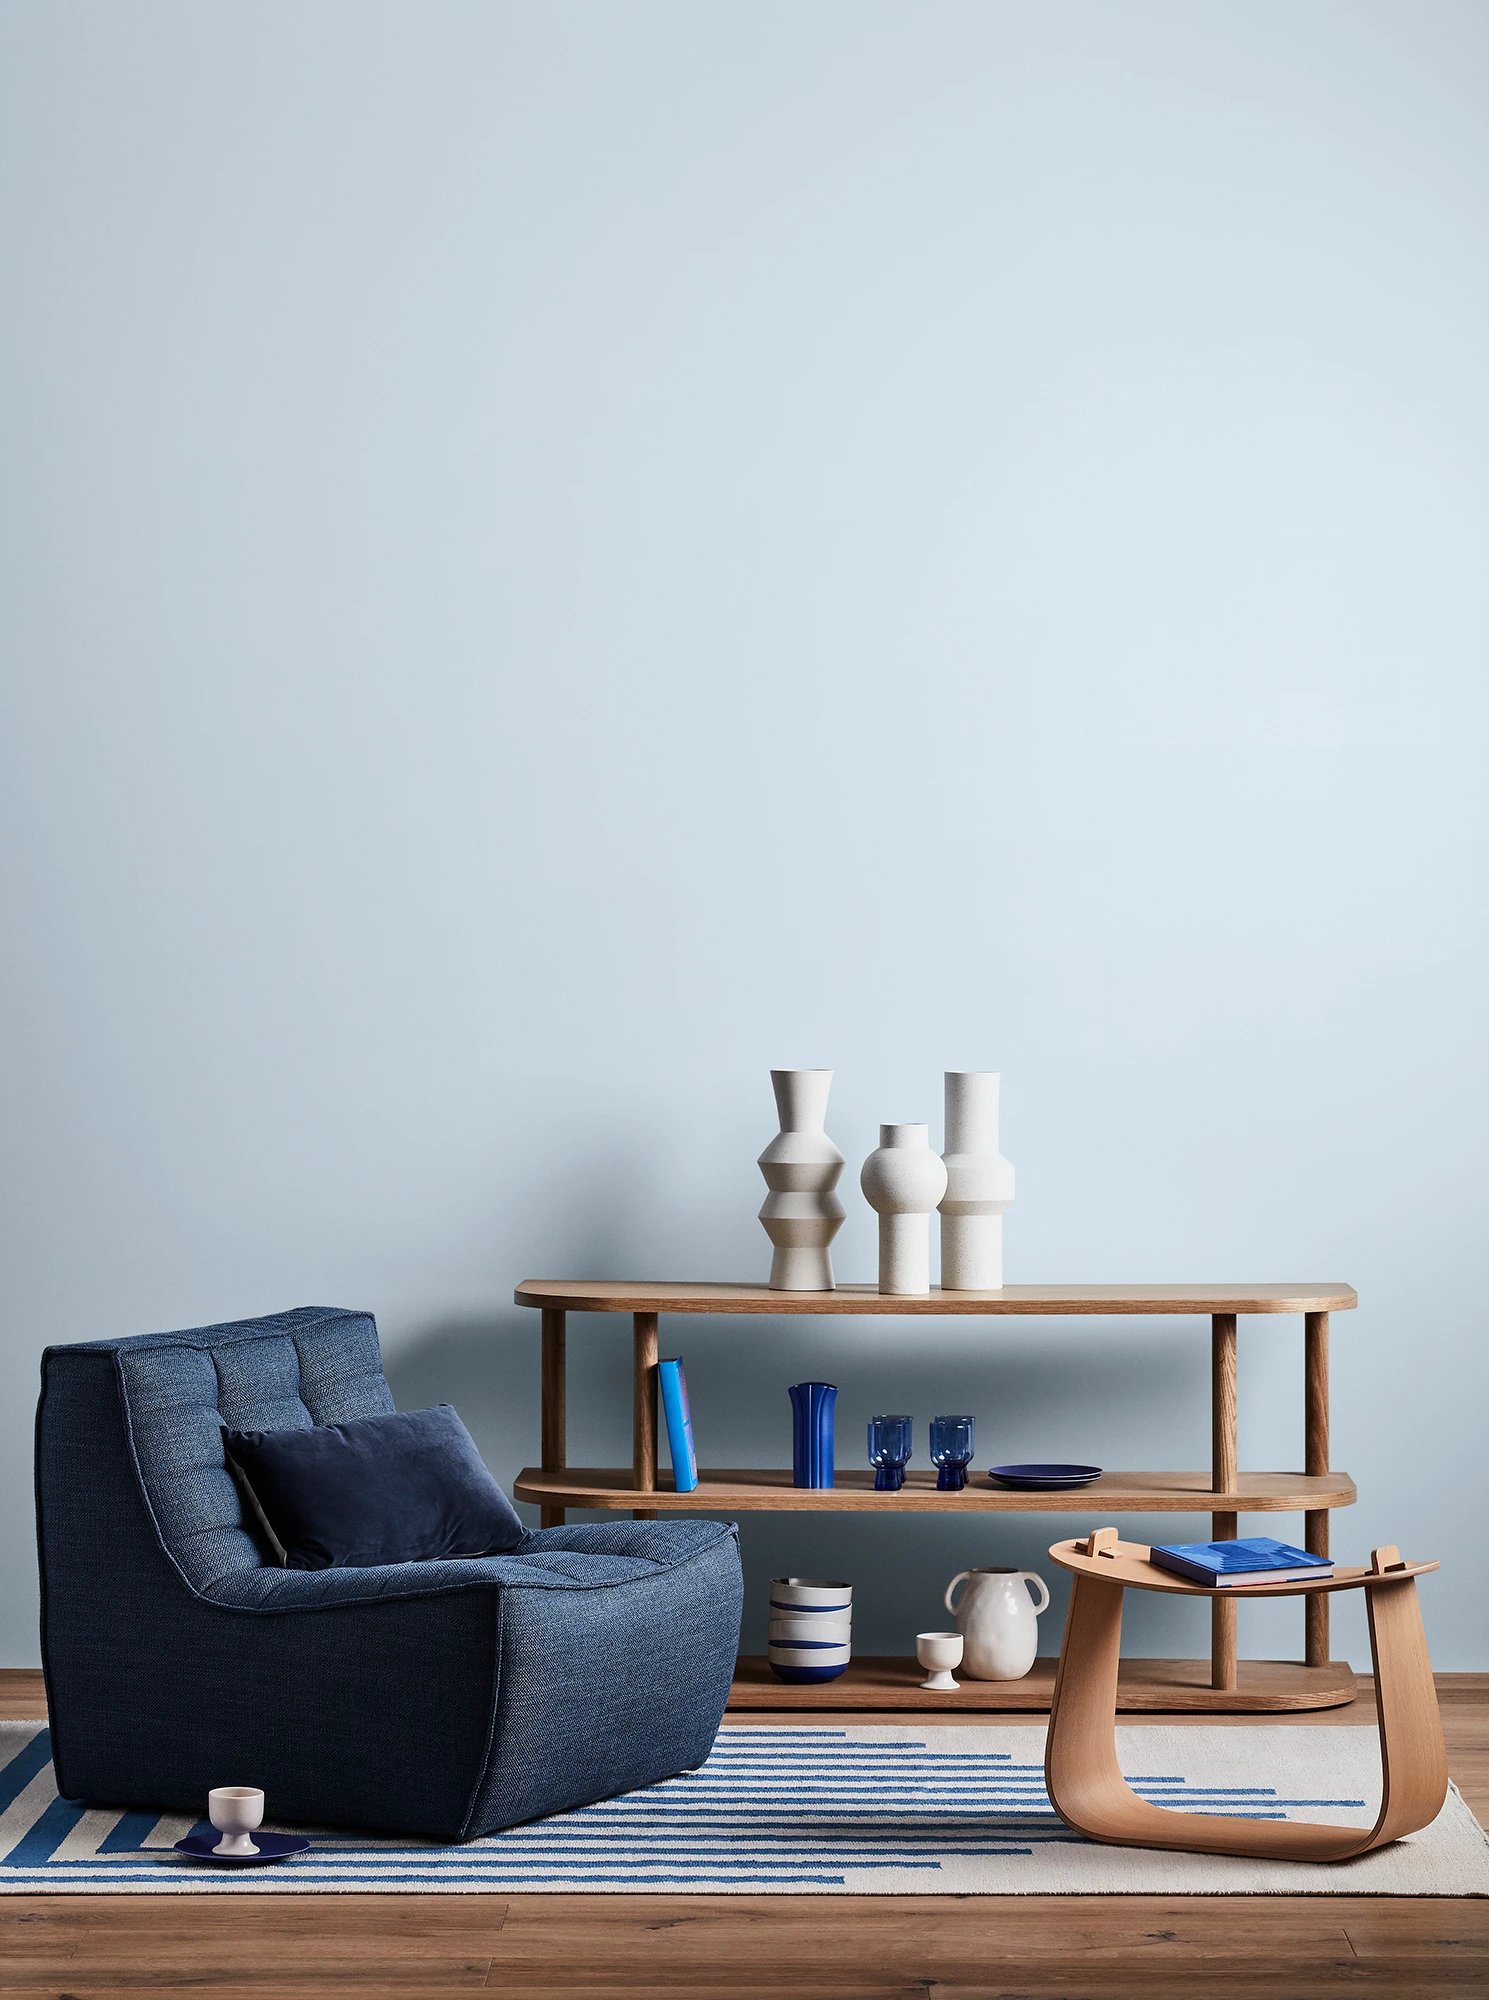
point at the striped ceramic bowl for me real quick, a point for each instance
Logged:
(811, 1627)
(787, 1631)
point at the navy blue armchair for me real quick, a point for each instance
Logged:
(446, 1698)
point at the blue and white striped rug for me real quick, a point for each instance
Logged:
(868, 1811)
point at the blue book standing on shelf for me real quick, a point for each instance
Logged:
(674, 1386)
(1224, 1564)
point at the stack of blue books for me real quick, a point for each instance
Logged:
(1224, 1565)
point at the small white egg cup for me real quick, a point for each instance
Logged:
(939, 1652)
(236, 1811)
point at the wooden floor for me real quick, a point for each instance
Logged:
(772, 1947)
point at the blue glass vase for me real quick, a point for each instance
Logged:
(889, 1451)
(811, 1433)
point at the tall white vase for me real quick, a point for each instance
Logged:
(979, 1184)
(801, 1214)
(903, 1181)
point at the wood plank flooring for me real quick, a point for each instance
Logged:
(771, 1947)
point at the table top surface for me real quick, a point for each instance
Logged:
(681, 1296)
(1128, 1564)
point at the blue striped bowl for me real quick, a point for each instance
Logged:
(811, 1628)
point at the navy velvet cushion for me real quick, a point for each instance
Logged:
(410, 1487)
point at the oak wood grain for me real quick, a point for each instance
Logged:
(652, 1295)
(769, 1488)
(1316, 1460)
(555, 1404)
(1166, 1686)
(1084, 1777)
(1224, 1525)
(644, 1411)
(1128, 1563)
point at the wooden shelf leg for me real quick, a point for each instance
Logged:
(555, 1406)
(1223, 1472)
(1316, 1460)
(644, 1412)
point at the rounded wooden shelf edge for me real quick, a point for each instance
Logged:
(1130, 1565)
(609, 1488)
(615, 1295)
(1174, 1687)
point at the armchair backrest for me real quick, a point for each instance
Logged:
(171, 1394)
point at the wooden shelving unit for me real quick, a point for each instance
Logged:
(1223, 1492)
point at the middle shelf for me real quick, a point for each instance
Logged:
(770, 1488)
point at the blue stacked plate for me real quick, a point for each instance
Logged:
(1043, 1478)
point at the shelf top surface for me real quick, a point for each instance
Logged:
(1130, 1564)
(624, 1295)
(771, 1488)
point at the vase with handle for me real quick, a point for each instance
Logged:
(801, 1214)
(903, 1181)
(998, 1621)
(979, 1184)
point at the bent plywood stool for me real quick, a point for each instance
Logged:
(1086, 1785)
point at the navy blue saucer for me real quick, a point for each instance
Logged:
(1043, 1478)
(271, 1847)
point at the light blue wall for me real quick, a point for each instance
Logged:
(559, 555)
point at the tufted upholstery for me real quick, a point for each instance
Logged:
(313, 1366)
(446, 1698)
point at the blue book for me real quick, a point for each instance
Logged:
(1224, 1564)
(674, 1386)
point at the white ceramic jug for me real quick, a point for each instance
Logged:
(997, 1621)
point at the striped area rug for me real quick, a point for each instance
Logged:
(861, 1811)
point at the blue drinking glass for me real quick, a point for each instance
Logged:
(952, 1444)
(889, 1451)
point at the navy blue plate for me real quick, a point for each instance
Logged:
(271, 1847)
(1043, 1478)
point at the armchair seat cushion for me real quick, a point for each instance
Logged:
(567, 1559)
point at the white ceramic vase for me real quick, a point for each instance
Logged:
(998, 1623)
(979, 1185)
(801, 1214)
(903, 1181)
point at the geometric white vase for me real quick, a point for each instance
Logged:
(801, 1214)
(904, 1180)
(979, 1185)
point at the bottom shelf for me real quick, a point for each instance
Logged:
(1165, 1685)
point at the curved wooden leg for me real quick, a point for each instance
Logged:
(1081, 1772)
(1413, 1757)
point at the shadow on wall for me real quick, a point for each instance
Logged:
(486, 1366)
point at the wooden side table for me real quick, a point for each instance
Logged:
(1085, 1782)
(1221, 1490)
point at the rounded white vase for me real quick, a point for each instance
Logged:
(979, 1184)
(801, 1214)
(903, 1181)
